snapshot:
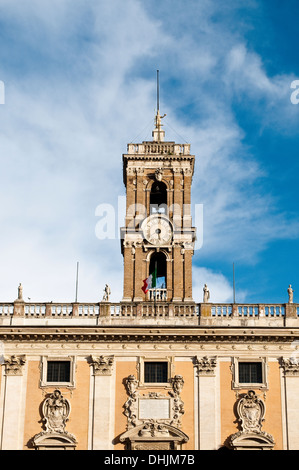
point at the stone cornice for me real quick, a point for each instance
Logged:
(162, 157)
(148, 334)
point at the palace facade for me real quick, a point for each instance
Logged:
(155, 371)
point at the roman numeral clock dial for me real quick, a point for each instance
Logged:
(157, 230)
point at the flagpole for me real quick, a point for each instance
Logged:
(156, 269)
(76, 299)
(158, 98)
(234, 286)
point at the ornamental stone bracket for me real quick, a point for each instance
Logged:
(102, 365)
(14, 365)
(55, 413)
(290, 366)
(205, 366)
(251, 411)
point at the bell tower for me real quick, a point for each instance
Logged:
(158, 239)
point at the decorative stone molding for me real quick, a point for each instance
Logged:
(290, 366)
(251, 411)
(154, 419)
(44, 368)
(55, 411)
(131, 405)
(177, 384)
(131, 384)
(102, 365)
(187, 171)
(154, 436)
(171, 409)
(237, 385)
(205, 365)
(14, 364)
(159, 174)
(112, 334)
(142, 360)
(54, 441)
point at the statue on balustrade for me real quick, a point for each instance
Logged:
(206, 294)
(291, 294)
(107, 293)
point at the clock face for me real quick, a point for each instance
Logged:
(157, 230)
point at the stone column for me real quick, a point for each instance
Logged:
(207, 403)
(102, 403)
(291, 382)
(12, 417)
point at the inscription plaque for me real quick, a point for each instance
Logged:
(154, 408)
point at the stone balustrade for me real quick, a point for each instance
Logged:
(164, 148)
(157, 294)
(159, 311)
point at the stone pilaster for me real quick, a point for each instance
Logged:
(13, 419)
(102, 422)
(207, 402)
(291, 377)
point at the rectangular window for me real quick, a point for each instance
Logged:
(250, 372)
(58, 371)
(155, 372)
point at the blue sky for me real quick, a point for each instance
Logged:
(80, 84)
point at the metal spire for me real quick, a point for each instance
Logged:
(158, 134)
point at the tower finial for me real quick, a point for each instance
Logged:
(158, 104)
(158, 134)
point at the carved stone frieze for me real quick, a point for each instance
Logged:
(205, 365)
(102, 365)
(14, 364)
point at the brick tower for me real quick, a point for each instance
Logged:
(158, 237)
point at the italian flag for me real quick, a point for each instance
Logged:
(150, 282)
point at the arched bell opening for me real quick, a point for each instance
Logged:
(158, 198)
(158, 271)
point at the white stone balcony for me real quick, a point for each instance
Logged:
(157, 295)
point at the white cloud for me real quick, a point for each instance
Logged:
(221, 289)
